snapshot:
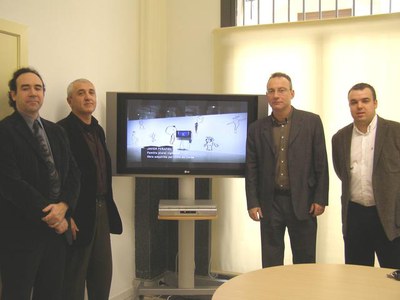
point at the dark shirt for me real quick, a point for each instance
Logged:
(280, 133)
(91, 136)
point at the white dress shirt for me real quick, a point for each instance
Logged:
(361, 164)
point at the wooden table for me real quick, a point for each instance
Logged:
(312, 282)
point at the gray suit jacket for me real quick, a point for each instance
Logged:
(307, 162)
(385, 175)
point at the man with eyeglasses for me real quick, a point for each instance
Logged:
(286, 175)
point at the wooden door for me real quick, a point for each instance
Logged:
(13, 55)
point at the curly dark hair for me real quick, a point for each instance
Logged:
(12, 84)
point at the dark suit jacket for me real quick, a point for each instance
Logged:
(307, 163)
(385, 174)
(85, 212)
(24, 179)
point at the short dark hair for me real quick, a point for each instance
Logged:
(280, 74)
(362, 85)
(12, 84)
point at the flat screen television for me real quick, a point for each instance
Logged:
(179, 134)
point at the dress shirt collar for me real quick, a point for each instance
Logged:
(277, 123)
(29, 121)
(371, 127)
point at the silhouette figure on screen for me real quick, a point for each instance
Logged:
(171, 130)
(210, 143)
(235, 122)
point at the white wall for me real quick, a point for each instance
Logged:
(190, 45)
(98, 40)
(177, 45)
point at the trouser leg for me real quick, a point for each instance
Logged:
(32, 265)
(359, 245)
(303, 237)
(18, 270)
(75, 272)
(50, 275)
(100, 265)
(272, 236)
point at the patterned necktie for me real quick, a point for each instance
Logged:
(54, 180)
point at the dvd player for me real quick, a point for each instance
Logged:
(187, 208)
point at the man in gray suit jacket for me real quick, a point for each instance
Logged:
(286, 175)
(366, 157)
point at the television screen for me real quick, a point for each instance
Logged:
(178, 134)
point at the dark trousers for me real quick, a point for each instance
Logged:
(303, 234)
(91, 265)
(34, 266)
(365, 237)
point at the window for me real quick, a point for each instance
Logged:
(254, 12)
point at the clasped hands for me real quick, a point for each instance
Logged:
(55, 217)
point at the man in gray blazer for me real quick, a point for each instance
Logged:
(286, 175)
(366, 157)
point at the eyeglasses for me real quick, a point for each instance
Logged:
(279, 91)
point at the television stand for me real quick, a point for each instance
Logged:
(191, 211)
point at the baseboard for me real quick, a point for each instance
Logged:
(126, 295)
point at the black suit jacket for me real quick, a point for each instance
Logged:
(307, 163)
(385, 174)
(85, 212)
(24, 179)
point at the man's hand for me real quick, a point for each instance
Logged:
(55, 214)
(255, 213)
(316, 209)
(61, 227)
(74, 229)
